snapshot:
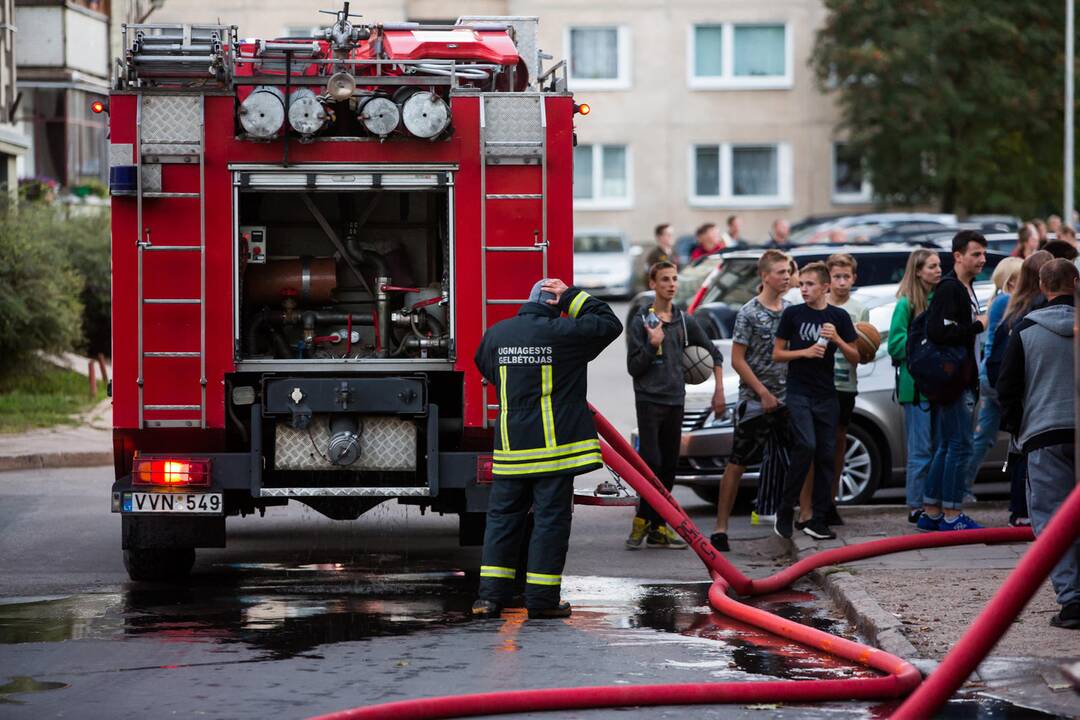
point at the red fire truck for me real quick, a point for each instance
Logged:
(310, 236)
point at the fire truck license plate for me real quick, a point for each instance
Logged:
(178, 503)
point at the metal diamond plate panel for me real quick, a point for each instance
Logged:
(121, 154)
(408, 491)
(151, 178)
(512, 126)
(387, 443)
(169, 119)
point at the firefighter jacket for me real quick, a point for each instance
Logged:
(537, 361)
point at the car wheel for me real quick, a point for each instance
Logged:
(708, 493)
(862, 471)
(159, 565)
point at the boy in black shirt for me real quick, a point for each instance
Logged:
(807, 340)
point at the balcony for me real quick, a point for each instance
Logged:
(63, 41)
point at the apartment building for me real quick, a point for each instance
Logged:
(13, 143)
(700, 109)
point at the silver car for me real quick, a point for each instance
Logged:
(876, 454)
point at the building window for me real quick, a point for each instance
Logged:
(601, 177)
(599, 58)
(741, 175)
(739, 56)
(850, 184)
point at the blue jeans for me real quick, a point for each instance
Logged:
(920, 451)
(986, 431)
(952, 452)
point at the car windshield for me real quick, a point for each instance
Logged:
(738, 280)
(598, 244)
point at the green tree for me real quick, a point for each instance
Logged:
(951, 102)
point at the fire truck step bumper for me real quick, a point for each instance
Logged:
(306, 492)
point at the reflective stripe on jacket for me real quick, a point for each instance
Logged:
(537, 362)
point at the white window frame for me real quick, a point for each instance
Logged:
(727, 198)
(621, 81)
(727, 80)
(866, 193)
(597, 202)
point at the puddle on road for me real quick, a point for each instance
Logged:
(18, 685)
(283, 611)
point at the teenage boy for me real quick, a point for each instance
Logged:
(807, 340)
(654, 360)
(954, 319)
(1038, 408)
(762, 383)
(842, 277)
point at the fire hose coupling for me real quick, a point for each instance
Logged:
(343, 448)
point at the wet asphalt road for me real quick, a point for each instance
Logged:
(302, 615)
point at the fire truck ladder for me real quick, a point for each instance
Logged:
(170, 129)
(513, 131)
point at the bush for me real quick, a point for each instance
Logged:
(85, 242)
(39, 290)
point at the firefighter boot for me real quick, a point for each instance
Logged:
(562, 610)
(485, 609)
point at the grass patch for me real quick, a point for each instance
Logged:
(44, 396)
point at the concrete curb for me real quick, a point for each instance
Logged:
(882, 629)
(38, 461)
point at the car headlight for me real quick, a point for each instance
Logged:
(726, 418)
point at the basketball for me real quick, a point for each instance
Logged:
(697, 364)
(867, 342)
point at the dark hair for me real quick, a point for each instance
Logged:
(660, 228)
(817, 268)
(704, 228)
(655, 269)
(1023, 298)
(1058, 276)
(732, 218)
(963, 238)
(1025, 233)
(1061, 249)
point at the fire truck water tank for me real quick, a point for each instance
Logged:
(380, 115)
(263, 112)
(312, 279)
(425, 114)
(306, 113)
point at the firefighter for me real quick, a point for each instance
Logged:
(545, 435)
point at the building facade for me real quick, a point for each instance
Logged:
(700, 110)
(13, 143)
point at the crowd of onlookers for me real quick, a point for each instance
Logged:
(963, 373)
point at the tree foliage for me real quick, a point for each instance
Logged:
(951, 102)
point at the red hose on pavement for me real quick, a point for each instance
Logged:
(901, 677)
(1055, 539)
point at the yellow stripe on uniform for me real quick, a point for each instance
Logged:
(542, 579)
(575, 306)
(504, 409)
(546, 413)
(542, 453)
(549, 466)
(494, 571)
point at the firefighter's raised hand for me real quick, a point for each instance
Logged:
(555, 286)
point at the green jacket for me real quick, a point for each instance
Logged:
(898, 330)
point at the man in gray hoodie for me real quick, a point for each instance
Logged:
(1039, 411)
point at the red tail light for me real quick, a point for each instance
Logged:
(171, 472)
(485, 473)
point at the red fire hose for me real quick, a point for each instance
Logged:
(900, 679)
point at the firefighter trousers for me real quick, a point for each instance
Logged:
(552, 502)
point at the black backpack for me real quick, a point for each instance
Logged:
(940, 372)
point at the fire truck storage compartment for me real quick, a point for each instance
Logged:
(336, 268)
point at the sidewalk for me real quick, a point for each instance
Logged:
(917, 604)
(85, 445)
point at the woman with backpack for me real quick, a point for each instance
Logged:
(1026, 298)
(921, 276)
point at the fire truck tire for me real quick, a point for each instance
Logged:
(156, 565)
(471, 527)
